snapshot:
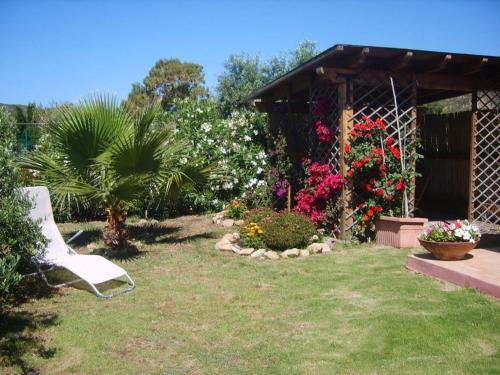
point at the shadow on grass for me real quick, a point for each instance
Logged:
(87, 237)
(18, 338)
(151, 234)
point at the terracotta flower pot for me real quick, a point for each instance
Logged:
(448, 250)
(399, 231)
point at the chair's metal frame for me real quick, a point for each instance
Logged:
(42, 275)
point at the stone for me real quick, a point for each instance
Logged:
(236, 236)
(218, 221)
(315, 248)
(258, 253)
(271, 255)
(239, 223)
(224, 245)
(154, 222)
(227, 223)
(329, 241)
(228, 237)
(326, 248)
(314, 238)
(247, 251)
(290, 253)
(321, 231)
(236, 249)
(304, 253)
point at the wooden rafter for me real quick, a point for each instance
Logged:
(401, 62)
(438, 65)
(358, 59)
(475, 67)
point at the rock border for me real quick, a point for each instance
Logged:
(229, 242)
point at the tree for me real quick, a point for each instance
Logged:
(243, 74)
(167, 80)
(105, 154)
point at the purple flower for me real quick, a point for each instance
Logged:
(281, 188)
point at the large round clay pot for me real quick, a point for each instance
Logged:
(448, 250)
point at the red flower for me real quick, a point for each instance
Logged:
(366, 218)
(380, 124)
(388, 182)
(357, 164)
(388, 198)
(370, 212)
(379, 192)
(395, 152)
(347, 148)
(389, 141)
(377, 208)
(400, 185)
(349, 173)
(382, 168)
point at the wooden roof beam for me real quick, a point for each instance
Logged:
(438, 66)
(476, 67)
(401, 62)
(358, 59)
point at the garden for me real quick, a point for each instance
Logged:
(233, 236)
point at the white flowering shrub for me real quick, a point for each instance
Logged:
(236, 145)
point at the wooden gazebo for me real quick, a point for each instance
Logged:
(355, 81)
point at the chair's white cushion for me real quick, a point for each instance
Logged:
(92, 268)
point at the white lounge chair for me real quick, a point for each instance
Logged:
(91, 269)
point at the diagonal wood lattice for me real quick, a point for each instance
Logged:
(486, 163)
(373, 97)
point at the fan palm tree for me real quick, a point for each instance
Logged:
(105, 154)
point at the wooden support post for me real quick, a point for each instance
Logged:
(289, 199)
(472, 156)
(413, 144)
(345, 126)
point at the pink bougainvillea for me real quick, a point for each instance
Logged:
(323, 132)
(317, 198)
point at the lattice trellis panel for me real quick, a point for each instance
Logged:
(486, 164)
(323, 106)
(373, 97)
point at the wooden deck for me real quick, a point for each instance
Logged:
(480, 270)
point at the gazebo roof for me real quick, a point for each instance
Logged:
(439, 74)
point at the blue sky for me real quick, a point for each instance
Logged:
(55, 51)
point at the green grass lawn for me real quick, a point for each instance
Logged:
(200, 311)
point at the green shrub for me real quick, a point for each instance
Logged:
(258, 214)
(287, 230)
(20, 237)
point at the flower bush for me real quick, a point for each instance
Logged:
(455, 231)
(318, 197)
(374, 170)
(251, 236)
(236, 210)
(236, 145)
